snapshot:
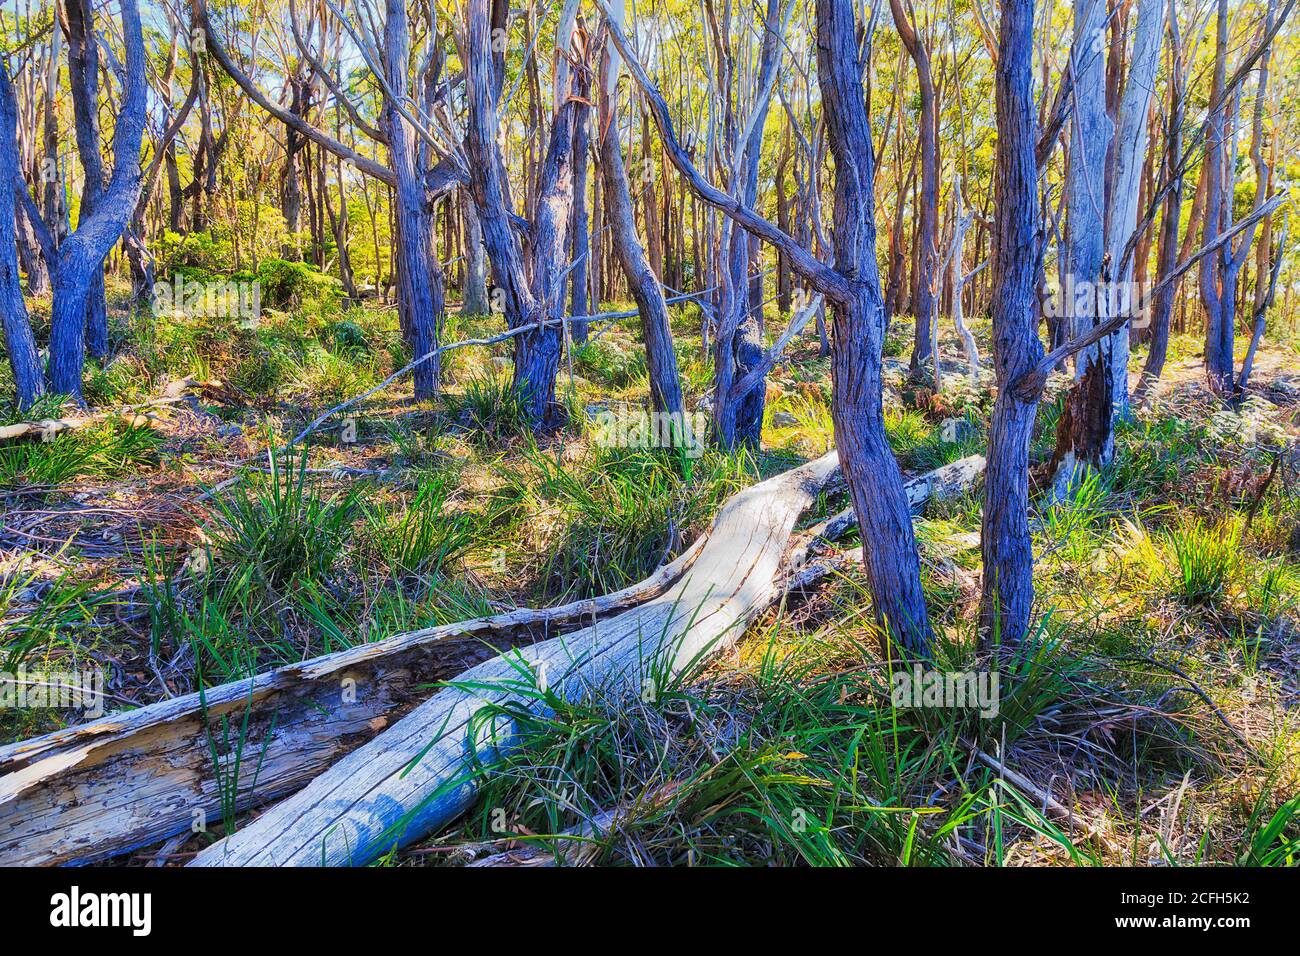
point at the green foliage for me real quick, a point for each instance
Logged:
(262, 371)
(693, 366)
(803, 760)
(611, 521)
(115, 382)
(48, 610)
(923, 446)
(281, 525)
(1274, 840)
(328, 378)
(290, 284)
(605, 361)
(106, 449)
(1071, 523)
(197, 255)
(1204, 559)
(490, 409)
(348, 336)
(897, 340)
(426, 535)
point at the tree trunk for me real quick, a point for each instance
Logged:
(924, 363)
(290, 180)
(579, 297)
(1008, 576)
(416, 262)
(83, 80)
(875, 483)
(1122, 217)
(1218, 286)
(1086, 433)
(661, 360)
(784, 287)
(740, 323)
(532, 298)
(474, 297)
(853, 287)
(1167, 253)
(19, 341)
(79, 272)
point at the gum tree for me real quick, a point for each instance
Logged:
(852, 287)
(77, 319)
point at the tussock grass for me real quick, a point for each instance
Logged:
(610, 521)
(1205, 559)
(281, 526)
(100, 450)
(426, 534)
(489, 410)
(798, 757)
(606, 362)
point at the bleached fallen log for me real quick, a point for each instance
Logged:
(128, 780)
(420, 774)
(946, 481)
(136, 415)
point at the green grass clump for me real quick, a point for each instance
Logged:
(328, 378)
(426, 535)
(116, 382)
(609, 522)
(490, 409)
(261, 371)
(1272, 839)
(923, 446)
(281, 525)
(1204, 559)
(106, 449)
(603, 361)
(799, 759)
(48, 609)
(791, 767)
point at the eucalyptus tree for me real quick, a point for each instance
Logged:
(852, 287)
(1162, 305)
(19, 341)
(1008, 579)
(530, 282)
(78, 318)
(742, 100)
(1220, 271)
(424, 160)
(1103, 186)
(661, 360)
(924, 363)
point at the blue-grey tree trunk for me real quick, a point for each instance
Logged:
(1008, 579)
(19, 341)
(79, 270)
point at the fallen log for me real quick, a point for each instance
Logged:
(947, 481)
(129, 780)
(136, 415)
(422, 772)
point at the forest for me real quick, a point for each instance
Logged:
(446, 433)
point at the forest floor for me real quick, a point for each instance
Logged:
(1158, 704)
